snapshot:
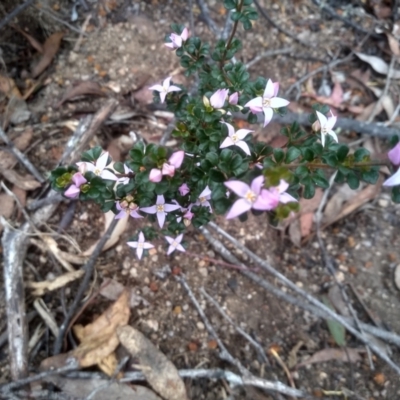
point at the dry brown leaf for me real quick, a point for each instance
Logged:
(161, 374)
(344, 355)
(356, 202)
(50, 49)
(17, 111)
(378, 65)
(82, 388)
(81, 89)
(292, 357)
(335, 203)
(336, 299)
(20, 194)
(7, 207)
(47, 286)
(117, 232)
(306, 223)
(34, 43)
(99, 339)
(25, 182)
(8, 87)
(22, 141)
(109, 364)
(295, 232)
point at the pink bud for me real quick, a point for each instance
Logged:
(78, 179)
(176, 158)
(72, 192)
(155, 175)
(168, 169)
(185, 34)
(394, 155)
(183, 189)
(217, 100)
(188, 215)
(234, 98)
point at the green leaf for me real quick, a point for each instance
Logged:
(396, 194)
(308, 154)
(230, 4)
(302, 171)
(217, 176)
(119, 167)
(336, 329)
(353, 181)
(342, 152)
(212, 158)
(320, 181)
(370, 176)
(291, 154)
(360, 153)
(309, 188)
(279, 155)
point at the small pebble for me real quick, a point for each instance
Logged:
(200, 326)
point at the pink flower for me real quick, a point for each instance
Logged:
(394, 180)
(140, 245)
(155, 175)
(204, 198)
(217, 100)
(174, 162)
(250, 197)
(73, 191)
(267, 102)
(177, 40)
(161, 209)
(394, 155)
(175, 244)
(275, 195)
(165, 88)
(99, 167)
(127, 207)
(184, 189)
(234, 98)
(326, 126)
(235, 139)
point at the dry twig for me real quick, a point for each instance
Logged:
(247, 378)
(14, 13)
(307, 296)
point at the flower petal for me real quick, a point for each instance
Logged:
(331, 122)
(268, 113)
(171, 207)
(169, 239)
(394, 180)
(257, 184)
(168, 170)
(166, 83)
(155, 175)
(242, 133)
(149, 210)
(394, 154)
(333, 134)
(238, 187)
(133, 244)
(108, 175)
(102, 161)
(231, 129)
(161, 218)
(163, 95)
(147, 245)
(244, 146)
(283, 185)
(160, 199)
(176, 158)
(269, 90)
(287, 198)
(226, 143)
(322, 119)
(278, 102)
(256, 104)
(158, 88)
(239, 207)
(173, 88)
(72, 192)
(121, 214)
(139, 252)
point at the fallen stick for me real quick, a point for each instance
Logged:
(15, 243)
(323, 310)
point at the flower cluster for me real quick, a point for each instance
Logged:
(220, 168)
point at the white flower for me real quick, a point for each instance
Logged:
(140, 245)
(326, 126)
